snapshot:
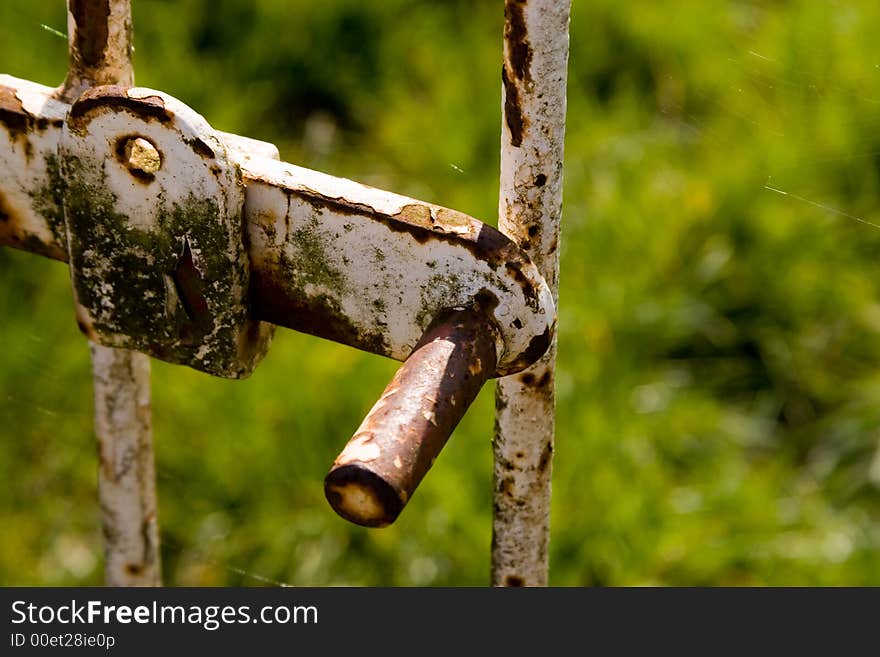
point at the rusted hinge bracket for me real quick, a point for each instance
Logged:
(189, 244)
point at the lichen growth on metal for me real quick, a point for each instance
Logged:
(48, 199)
(327, 256)
(158, 265)
(128, 292)
(312, 265)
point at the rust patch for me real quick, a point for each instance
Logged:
(32, 244)
(201, 148)
(358, 479)
(546, 457)
(415, 214)
(486, 301)
(517, 36)
(513, 113)
(517, 67)
(4, 210)
(12, 114)
(114, 97)
(538, 345)
(92, 19)
(19, 123)
(84, 328)
(134, 568)
(529, 379)
(514, 268)
(338, 205)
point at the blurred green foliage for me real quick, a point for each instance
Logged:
(718, 387)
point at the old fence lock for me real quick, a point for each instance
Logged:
(190, 245)
(152, 205)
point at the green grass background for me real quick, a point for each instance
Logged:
(719, 342)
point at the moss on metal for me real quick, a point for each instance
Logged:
(48, 199)
(173, 291)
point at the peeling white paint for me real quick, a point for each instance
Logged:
(126, 475)
(530, 208)
(382, 277)
(121, 379)
(386, 264)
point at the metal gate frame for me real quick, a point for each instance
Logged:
(210, 294)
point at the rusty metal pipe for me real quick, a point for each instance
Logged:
(394, 447)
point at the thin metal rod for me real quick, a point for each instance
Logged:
(100, 53)
(395, 446)
(99, 40)
(530, 208)
(126, 474)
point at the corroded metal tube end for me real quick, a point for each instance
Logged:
(361, 496)
(395, 446)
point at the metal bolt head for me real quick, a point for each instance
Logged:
(141, 157)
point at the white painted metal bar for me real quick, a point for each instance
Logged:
(304, 229)
(99, 33)
(530, 207)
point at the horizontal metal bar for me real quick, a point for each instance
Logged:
(328, 256)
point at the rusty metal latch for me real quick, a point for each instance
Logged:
(189, 244)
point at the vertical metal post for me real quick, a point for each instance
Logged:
(530, 207)
(126, 474)
(99, 39)
(100, 53)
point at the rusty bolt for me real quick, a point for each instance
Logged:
(392, 450)
(140, 156)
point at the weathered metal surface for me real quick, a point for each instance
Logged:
(155, 242)
(99, 41)
(31, 188)
(126, 475)
(534, 100)
(378, 471)
(371, 269)
(152, 202)
(100, 44)
(244, 149)
(304, 231)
